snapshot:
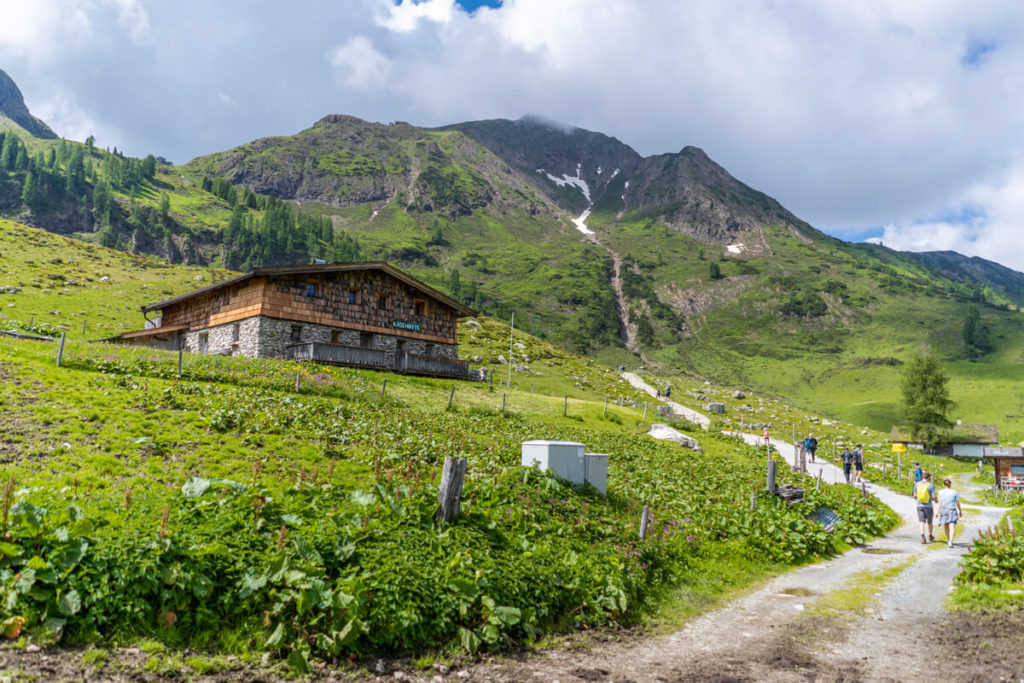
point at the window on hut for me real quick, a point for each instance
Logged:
(366, 339)
(335, 336)
(353, 296)
(204, 341)
(296, 333)
(428, 350)
(420, 306)
(235, 332)
(311, 289)
(385, 302)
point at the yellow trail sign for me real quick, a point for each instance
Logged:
(899, 448)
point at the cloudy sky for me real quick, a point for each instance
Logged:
(900, 121)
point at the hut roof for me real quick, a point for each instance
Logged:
(961, 433)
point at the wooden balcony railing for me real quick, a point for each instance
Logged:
(336, 354)
(431, 365)
(355, 356)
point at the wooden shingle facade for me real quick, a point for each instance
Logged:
(361, 314)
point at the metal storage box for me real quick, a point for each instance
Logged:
(565, 458)
(595, 471)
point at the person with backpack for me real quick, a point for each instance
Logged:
(950, 511)
(918, 472)
(924, 492)
(847, 457)
(810, 445)
(858, 462)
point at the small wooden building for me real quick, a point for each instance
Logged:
(359, 314)
(963, 440)
(1008, 463)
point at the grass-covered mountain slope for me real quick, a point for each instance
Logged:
(234, 512)
(687, 269)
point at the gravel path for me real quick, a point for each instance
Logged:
(677, 408)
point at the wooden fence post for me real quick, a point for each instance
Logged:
(771, 477)
(60, 351)
(605, 413)
(296, 382)
(450, 397)
(491, 373)
(384, 388)
(83, 328)
(863, 490)
(565, 407)
(180, 352)
(503, 402)
(753, 501)
(644, 519)
(645, 412)
(449, 496)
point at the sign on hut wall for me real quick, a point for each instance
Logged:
(405, 325)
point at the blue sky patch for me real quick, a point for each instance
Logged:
(977, 53)
(469, 6)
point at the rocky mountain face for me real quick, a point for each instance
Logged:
(12, 105)
(686, 190)
(344, 161)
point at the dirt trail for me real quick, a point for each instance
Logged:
(775, 633)
(677, 408)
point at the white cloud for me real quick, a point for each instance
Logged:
(358, 64)
(132, 17)
(984, 222)
(62, 113)
(405, 17)
(227, 100)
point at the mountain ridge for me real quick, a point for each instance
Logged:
(12, 106)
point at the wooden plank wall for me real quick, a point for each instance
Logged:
(285, 297)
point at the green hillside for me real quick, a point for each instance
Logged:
(714, 278)
(258, 506)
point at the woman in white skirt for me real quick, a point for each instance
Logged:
(949, 509)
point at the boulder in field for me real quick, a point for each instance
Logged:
(666, 433)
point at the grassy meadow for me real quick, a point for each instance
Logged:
(257, 507)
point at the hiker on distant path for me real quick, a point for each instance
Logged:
(858, 462)
(950, 511)
(847, 457)
(918, 472)
(766, 440)
(668, 392)
(811, 445)
(924, 492)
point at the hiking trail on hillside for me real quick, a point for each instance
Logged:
(784, 630)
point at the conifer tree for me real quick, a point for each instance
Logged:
(926, 401)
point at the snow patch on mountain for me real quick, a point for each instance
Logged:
(581, 223)
(580, 184)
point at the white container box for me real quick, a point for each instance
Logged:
(595, 471)
(564, 458)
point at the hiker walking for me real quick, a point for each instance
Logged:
(950, 511)
(766, 441)
(668, 392)
(847, 457)
(924, 492)
(811, 445)
(918, 472)
(858, 462)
